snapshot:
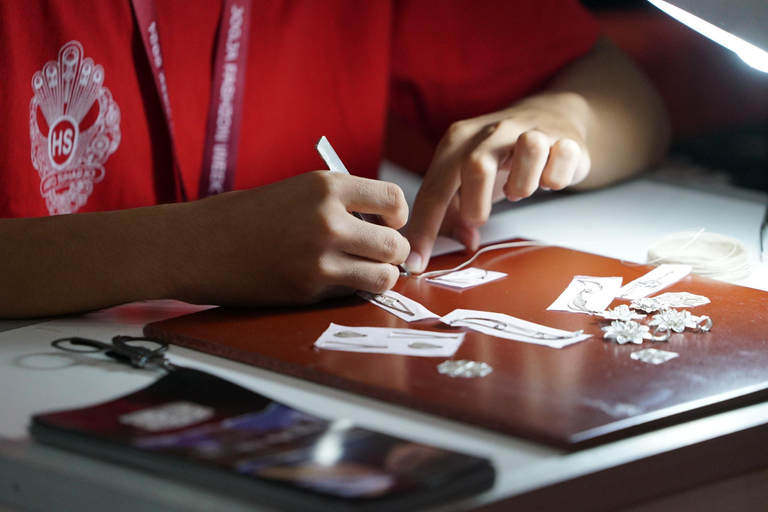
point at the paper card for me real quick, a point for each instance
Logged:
(587, 294)
(511, 328)
(654, 281)
(399, 305)
(681, 300)
(467, 277)
(380, 340)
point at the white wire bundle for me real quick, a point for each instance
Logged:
(506, 245)
(710, 254)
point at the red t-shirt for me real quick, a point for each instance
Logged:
(327, 67)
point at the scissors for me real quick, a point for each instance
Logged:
(139, 352)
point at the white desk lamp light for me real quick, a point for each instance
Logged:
(740, 26)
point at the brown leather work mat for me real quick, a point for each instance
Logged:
(581, 395)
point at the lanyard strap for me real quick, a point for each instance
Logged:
(227, 92)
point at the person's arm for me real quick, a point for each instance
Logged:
(598, 121)
(292, 242)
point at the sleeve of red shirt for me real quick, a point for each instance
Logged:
(454, 60)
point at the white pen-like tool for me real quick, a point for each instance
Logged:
(334, 163)
(329, 156)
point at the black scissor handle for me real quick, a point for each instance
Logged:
(81, 345)
(139, 352)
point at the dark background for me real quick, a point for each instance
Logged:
(718, 105)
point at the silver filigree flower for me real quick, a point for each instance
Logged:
(647, 304)
(621, 312)
(627, 332)
(653, 356)
(464, 368)
(674, 320)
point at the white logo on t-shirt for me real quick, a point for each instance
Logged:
(74, 125)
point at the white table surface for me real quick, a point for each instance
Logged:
(619, 222)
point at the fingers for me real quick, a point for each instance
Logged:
(564, 160)
(466, 234)
(366, 254)
(469, 161)
(376, 243)
(364, 258)
(478, 172)
(538, 162)
(373, 198)
(342, 274)
(359, 274)
(530, 155)
(435, 195)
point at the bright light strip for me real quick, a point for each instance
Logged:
(749, 53)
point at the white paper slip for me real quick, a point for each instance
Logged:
(654, 281)
(399, 305)
(681, 300)
(380, 340)
(511, 328)
(467, 277)
(587, 294)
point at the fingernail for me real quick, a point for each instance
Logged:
(413, 263)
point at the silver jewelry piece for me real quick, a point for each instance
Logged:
(704, 323)
(653, 356)
(673, 320)
(422, 334)
(647, 283)
(349, 334)
(578, 303)
(423, 345)
(621, 312)
(627, 332)
(647, 304)
(664, 336)
(358, 345)
(393, 303)
(678, 321)
(514, 329)
(468, 275)
(464, 368)
(681, 299)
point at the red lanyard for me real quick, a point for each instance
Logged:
(227, 92)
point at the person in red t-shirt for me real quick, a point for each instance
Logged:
(509, 96)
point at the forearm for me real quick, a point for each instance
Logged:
(292, 242)
(70, 263)
(625, 121)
